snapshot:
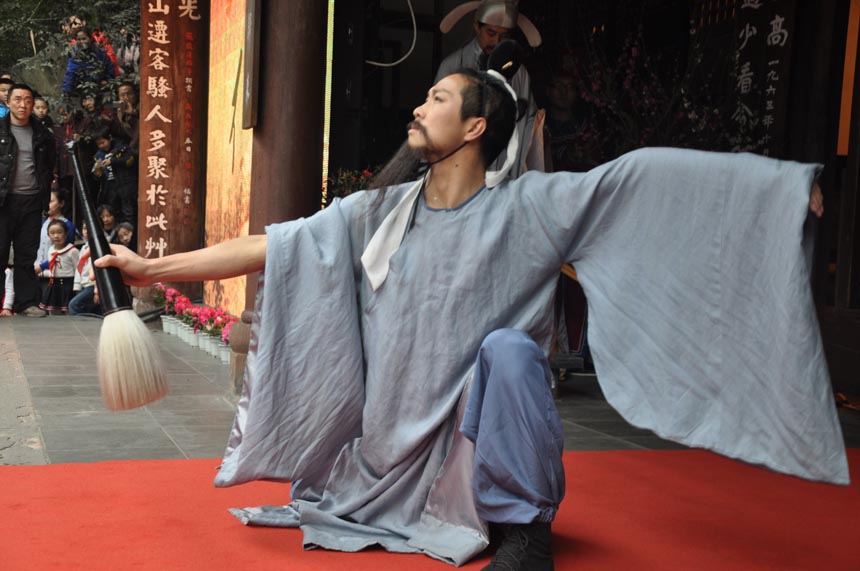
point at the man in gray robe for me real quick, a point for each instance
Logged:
(399, 332)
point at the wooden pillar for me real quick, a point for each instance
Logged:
(286, 177)
(814, 116)
(848, 247)
(815, 137)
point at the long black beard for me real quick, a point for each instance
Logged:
(407, 164)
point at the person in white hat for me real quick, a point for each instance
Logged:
(494, 22)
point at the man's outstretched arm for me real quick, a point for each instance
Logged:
(229, 259)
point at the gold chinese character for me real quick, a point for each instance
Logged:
(158, 32)
(156, 193)
(157, 168)
(156, 112)
(159, 221)
(188, 8)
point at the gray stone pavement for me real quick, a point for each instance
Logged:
(51, 410)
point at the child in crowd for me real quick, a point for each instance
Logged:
(84, 300)
(55, 212)
(41, 110)
(61, 270)
(9, 292)
(125, 232)
(5, 85)
(109, 223)
(116, 167)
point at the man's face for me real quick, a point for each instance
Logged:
(89, 104)
(126, 95)
(438, 127)
(489, 36)
(21, 106)
(40, 108)
(4, 92)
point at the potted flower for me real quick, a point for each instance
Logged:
(205, 324)
(224, 349)
(204, 327)
(166, 297)
(183, 308)
(214, 328)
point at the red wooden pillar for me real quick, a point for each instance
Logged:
(286, 176)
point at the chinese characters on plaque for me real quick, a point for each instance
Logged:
(762, 58)
(174, 58)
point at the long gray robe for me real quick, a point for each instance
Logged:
(702, 329)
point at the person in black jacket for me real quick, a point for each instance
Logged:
(116, 167)
(27, 157)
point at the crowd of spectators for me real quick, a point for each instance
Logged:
(47, 262)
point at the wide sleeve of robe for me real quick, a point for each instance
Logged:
(701, 319)
(304, 380)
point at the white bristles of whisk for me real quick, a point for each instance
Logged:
(130, 370)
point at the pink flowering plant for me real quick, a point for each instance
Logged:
(222, 322)
(215, 322)
(225, 332)
(212, 321)
(166, 298)
(190, 315)
(203, 318)
(181, 305)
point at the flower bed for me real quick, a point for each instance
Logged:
(203, 327)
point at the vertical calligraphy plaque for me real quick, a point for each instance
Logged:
(174, 59)
(764, 32)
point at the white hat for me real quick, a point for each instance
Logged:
(503, 13)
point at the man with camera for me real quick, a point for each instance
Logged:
(126, 125)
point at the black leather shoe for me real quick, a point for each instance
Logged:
(525, 547)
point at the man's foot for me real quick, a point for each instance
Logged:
(525, 547)
(33, 311)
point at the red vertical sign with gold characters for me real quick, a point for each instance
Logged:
(174, 59)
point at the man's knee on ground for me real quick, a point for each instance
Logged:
(512, 350)
(508, 341)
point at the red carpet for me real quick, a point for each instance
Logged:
(639, 510)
